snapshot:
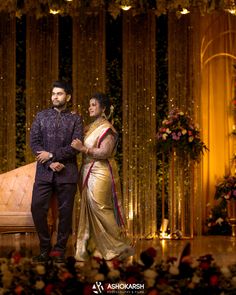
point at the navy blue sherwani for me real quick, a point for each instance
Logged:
(53, 131)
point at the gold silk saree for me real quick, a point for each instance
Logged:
(101, 220)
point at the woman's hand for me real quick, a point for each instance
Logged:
(77, 144)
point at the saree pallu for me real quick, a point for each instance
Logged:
(101, 221)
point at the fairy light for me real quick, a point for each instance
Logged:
(184, 11)
(54, 11)
(231, 8)
(125, 5)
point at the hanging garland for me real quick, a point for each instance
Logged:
(41, 8)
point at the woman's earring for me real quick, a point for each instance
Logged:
(104, 115)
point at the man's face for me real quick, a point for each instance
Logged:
(59, 98)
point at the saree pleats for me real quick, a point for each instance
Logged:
(101, 219)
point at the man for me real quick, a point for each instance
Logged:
(57, 173)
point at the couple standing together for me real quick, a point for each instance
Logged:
(56, 137)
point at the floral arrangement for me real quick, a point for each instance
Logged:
(226, 188)
(184, 275)
(217, 221)
(178, 132)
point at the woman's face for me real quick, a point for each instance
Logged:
(95, 110)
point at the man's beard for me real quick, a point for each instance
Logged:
(59, 105)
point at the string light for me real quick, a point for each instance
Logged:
(125, 5)
(184, 11)
(54, 11)
(54, 8)
(231, 8)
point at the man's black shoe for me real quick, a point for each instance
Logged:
(57, 256)
(43, 257)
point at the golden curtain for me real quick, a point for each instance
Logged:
(89, 66)
(41, 67)
(139, 121)
(184, 93)
(218, 55)
(89, 57)
(7, 92)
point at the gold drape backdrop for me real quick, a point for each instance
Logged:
(41, 67)
(7, 92)
(184, 93)
(218, 55)
(139, 121)
(89, 57)
(88, 68)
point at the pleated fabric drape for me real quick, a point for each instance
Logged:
(89, 58)
(218, 55)
(41, 67)
(7, 92)
(139, 123)
(184, 93)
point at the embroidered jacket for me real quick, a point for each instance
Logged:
(53, 131)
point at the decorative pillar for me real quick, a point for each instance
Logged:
(7, 92)
(41, 67)
(89, 57)
(139, 123)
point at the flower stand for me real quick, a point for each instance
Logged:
(181, 196)
(231, 209)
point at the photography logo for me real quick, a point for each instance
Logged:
(98, 288)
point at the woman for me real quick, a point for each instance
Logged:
(101, 221)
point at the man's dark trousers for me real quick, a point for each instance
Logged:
(65, 193)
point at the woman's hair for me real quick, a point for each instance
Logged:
(64, 85)
(104, 101)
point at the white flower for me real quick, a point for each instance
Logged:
(99, 277)
(7, 279)
(181, 113)
(40, 269)
(113, 274)
(174, 270)
(233, 280)
(4, 267)
(150, 274)
(39, 284)
(184, 131)
(219, 220)
(164, 136)
(190, 139)
(168, 131)
(95, 264)
(149, 283)
(226, 272)
(196, 279)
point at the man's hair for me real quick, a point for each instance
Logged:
(64, 85)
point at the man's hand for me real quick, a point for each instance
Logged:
(56, 166)
(43, 156)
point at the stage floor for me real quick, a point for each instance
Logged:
(222, 248)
